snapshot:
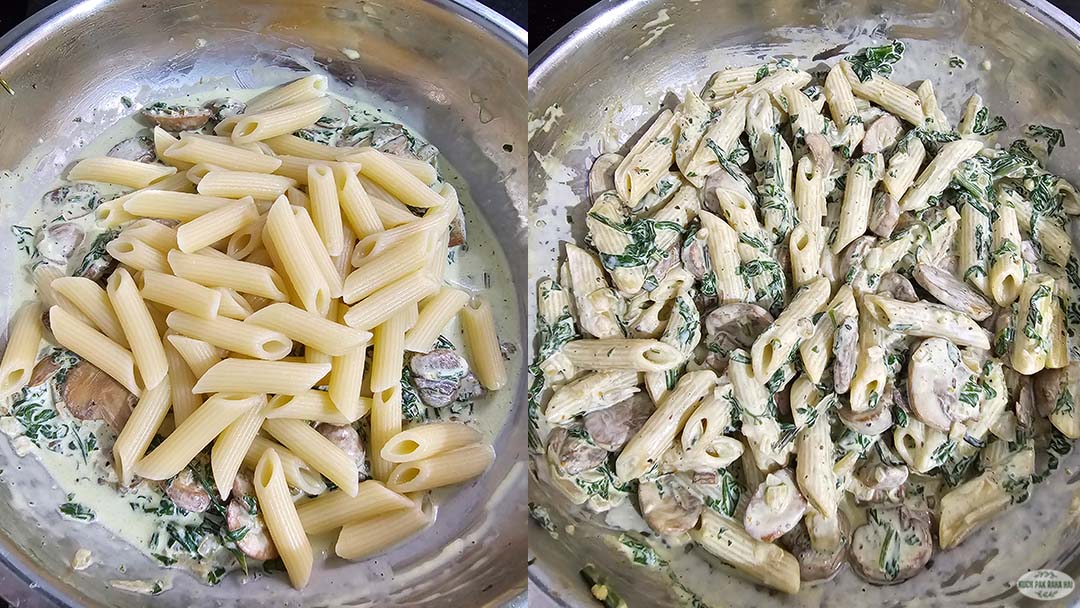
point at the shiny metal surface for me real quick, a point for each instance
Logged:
(444, 67)
(600, 78)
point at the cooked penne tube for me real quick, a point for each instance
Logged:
(435, 313)
(139, 328)
(195, 433)
(380, 269)
(325, 208)
(894, 98)
(136, 254)
(1034, 320)
(478, 325)
(335, 509)
(384, 303)
(434, 222)
(181, 381)
(296, 258)
(238, 184)
(406, 187)
(926, 320)
(273, 377)
(622, 354)
(309, 329)
(109, 170)
(245, 277)
(367, 537)
(426, 440)
(232, 335)
(214, 226)
(199, 355)
(724, 257)
(195, 150)
(356, 205)
(776, 344)
(153, 233)
(139, 430)
(388, 350)
(591, 392)
(763, 562)
(442, 469)
(935, 177)
(91, 300)
(301, 89)
(20, 353)
(1006, 266)
(325, 264)
(233, 444)
(259, 125)
(291, 145)
(180, 294)
(168, 205)
(842, 107)
(855, 209)
(317, 451)
(313, 405)
(233, 305)
(297, 473)
(282, 521)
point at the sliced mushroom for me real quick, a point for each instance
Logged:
(737, 187)
(851, 260)
(661, 266)
(90, 394)
(1029, 252)
(1050, 386)
(822, 152)
(775, 508)
(80, 196)
(884, 213)
(935, 377)
(735, 325)
(225, 107)
(814, 564)
(611, 427)
(877, 482)
(458, 236)
(695, 255)
(572, 451)
(58, 241)
(881, 134)
(871, 422)
(602, 174)
(399, 146)
(139, 149)
(384, 133)
(892, 546)
(437, 375)
(187, 493)
(427, 153)
(845, 350)
(98, 264)
(1025, 402)
(668, 505)
(898, 287)
(256, 542)
(45, 369)
(469, 388)
(335, 116)
(345, 437)
(175, 118)
(952, 292)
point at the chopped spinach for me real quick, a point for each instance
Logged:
(876, 60)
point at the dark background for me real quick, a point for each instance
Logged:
(14, 11)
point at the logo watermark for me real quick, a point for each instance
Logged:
(1045, 584)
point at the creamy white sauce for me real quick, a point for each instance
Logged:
(480, 268)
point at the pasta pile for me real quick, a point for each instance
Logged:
(236, 250)
(800, 327)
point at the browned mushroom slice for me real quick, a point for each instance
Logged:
(187, 493)
(881, 134)
(952, 292)
(935, 377)
(814, 564)
(98, 264)
(602, 174)
(223, 108)
(897, 287)
(877, 482)
(458, 235)
(90, 394)
(845, 351)
(139, 149)
(345, 437)
(1052, 390)
(892, 546)
(822, 153)
(437, 375)
(668, 505)
(58, 241)
(1026, 398)
(611, 427)
(256, 542)
(45, 369)
(695, 255)
(668, 261)
(871, 422)
(851, 261)
(775, 508)
(174, 118)
(336, 115)
(572, 451)
(884, 213)
(399, 146)
(735, 325)
(80, 195)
